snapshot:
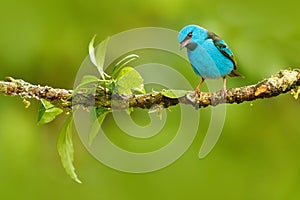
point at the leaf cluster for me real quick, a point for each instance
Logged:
(123, 80)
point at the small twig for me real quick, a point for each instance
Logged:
(25, 90)
(279, 83)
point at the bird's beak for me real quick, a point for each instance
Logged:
(184, 43)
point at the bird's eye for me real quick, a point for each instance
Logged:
(190, 35)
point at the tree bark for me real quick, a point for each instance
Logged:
(280, 83)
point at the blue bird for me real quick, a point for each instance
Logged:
(209, 55)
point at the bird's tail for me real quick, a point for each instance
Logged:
(234, 73)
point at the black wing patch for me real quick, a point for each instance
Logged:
(222, 47)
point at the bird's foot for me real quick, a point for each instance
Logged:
(223, 93)
(193, 97)
(197, 93)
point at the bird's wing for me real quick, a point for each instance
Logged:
(222, 47)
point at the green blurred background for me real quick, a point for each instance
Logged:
(257, 156)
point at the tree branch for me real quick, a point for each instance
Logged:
(279, 83)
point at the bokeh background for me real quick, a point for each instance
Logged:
(257, 156)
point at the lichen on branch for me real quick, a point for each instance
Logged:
(280, 83)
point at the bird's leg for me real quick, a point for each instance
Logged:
(223, 92)
(198, 87)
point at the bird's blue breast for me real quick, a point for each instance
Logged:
(208, 62)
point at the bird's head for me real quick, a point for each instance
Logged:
(190, 35)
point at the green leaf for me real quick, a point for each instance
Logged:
(65, 149)
(129, 80)
(101, 110)
(88, 80)
(295, 92)
(97, 57)
(92, 51)
(124, 62)
(111, 86)
(87, 83)
(47, 112)
(174, 94)
(101, 114)
(129, 110)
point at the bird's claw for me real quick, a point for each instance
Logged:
(196, 93)
(223, 94)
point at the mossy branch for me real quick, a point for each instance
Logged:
(279, 83)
